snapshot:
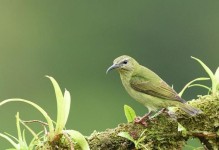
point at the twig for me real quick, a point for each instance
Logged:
(38, 121)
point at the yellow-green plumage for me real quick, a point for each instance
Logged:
(147, 87)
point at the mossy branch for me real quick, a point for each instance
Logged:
(162, 132)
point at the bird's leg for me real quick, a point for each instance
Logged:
(158, 113)
(142, 120)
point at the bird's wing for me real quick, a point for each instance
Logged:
(157, 88)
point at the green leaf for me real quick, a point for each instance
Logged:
(79, 138)
(211, 75)
(10, 140)
(49, 120)
(60, 106)
(142, 133)
(193, 144)
(129, 113)
(188, 84)
(182, 129)
(9, 135)
(217, 78)
(24, 138)
(127, 136)
(18, 128)
(217, 74)
(67, 104)
(141, 139)
(22, 142)
(200, 85)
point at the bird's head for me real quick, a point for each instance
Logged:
(124, 64)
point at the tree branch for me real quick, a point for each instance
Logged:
(162, 132)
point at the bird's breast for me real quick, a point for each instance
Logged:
(133, 93)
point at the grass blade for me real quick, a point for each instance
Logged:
(200, 85)
(211, 75)
(49, 120)
(19, 128)
(188, 84)
(10, 140)
(9, 135)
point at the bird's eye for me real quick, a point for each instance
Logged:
(125, 62)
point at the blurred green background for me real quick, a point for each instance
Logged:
(75, 42)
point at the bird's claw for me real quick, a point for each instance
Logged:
(141, 120)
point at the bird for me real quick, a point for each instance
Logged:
(146, 87)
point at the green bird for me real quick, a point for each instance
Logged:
(147, 87)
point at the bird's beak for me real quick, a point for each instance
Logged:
(114, 66)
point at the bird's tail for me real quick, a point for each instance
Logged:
(189, 109)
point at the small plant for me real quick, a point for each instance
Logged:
(213, 77)
(21, 142)
(138, 142)
(130, 116)
(55, 134)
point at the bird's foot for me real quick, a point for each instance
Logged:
(166, 112)
(142, 120)
(172, 115)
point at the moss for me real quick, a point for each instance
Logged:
(162, 132)
(208, 120)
